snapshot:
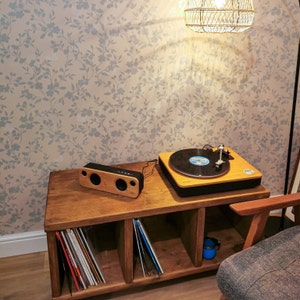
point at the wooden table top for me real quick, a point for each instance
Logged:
(69, 204)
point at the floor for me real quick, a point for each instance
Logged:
(26, 277)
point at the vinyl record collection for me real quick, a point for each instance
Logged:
(77, 259)
(146, 253)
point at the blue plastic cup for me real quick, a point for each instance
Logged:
(210, 247)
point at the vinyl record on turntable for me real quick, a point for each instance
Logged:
(198, 163)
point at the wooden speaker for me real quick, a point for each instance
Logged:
(112, 180)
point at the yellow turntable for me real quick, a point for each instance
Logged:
(208, 170)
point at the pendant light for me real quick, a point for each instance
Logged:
(219, 15)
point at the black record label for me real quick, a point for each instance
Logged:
(199, 163)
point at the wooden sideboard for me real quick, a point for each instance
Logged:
(176, 227)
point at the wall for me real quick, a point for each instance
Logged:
(119, 81)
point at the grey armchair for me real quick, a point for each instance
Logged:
(268, 268)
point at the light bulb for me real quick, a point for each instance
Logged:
(219, 3)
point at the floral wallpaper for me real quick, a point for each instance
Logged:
(113, 81)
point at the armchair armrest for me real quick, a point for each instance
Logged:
(260, 210)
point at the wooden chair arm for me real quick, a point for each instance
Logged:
(260, 210)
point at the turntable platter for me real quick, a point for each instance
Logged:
(199, 163)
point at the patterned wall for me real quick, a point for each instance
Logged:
(114, 81)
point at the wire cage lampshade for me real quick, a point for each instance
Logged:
(219, 15)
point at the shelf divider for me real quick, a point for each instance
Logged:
(192, 233)
(125, 248)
